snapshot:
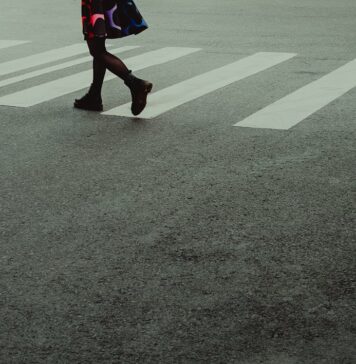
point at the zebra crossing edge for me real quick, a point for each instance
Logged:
(5, 43)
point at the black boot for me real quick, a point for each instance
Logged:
(139, 90)
(90, 101)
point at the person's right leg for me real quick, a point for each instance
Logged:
(92, 99)
(101, 60)
(99, 70)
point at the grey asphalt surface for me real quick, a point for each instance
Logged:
(181, 239)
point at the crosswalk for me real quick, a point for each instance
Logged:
(56, 88)
(173, 96)
(282, 114)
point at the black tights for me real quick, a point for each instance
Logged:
(103, 60)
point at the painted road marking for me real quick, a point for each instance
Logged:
(11, 43)
(50, 90)
(180, 93)
(292, 109)
(61, 66)
(39, 59)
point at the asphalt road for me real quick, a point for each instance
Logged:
(183, 238)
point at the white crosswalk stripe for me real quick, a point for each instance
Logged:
(50, 90)
(42, 58)
(60, 66)
(173, 96)
(292, 109)
(11, 43)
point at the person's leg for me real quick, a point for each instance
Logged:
(92, 99)
(99, 70)
(102, 58)
(139, 88)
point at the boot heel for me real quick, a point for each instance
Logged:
(148, 88)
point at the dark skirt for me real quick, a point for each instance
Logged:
(111, 19)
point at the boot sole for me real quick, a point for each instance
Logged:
(100, 108)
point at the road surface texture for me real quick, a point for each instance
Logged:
(219, 230)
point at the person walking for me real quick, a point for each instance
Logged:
(102, 19)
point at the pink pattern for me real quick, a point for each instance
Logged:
(95, 17)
